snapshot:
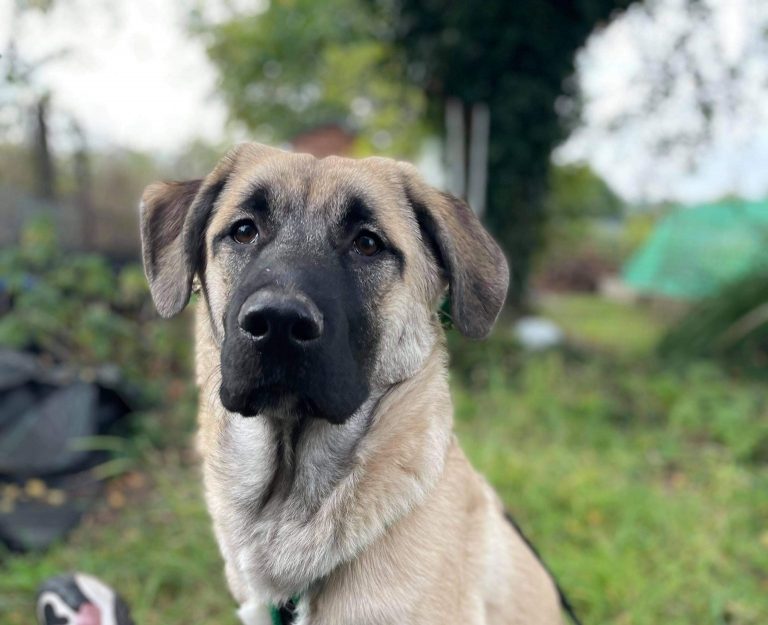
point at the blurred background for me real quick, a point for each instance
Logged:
(619, 152)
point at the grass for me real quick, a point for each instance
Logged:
(156, 548)
(603, 324)
(648, 496)
(645, 488)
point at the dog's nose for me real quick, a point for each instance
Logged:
(278, 317)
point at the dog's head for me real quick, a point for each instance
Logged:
(322, 278)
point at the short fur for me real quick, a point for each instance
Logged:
(367, 508)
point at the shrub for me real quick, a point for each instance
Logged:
(731, 326)
(86, 312)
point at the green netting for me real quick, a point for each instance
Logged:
(694, 251)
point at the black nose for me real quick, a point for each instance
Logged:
(278, 317)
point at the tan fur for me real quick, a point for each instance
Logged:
(409, 533)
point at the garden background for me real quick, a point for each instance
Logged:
(624, 425)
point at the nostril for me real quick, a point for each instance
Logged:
(256, 325)
(272, 317)
(304, 330)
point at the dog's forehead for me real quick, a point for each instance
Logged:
(323, 187)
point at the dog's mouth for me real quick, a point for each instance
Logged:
(266, 399)
(324, 383)
(274, 400)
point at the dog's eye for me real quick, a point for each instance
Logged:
(245, 231)
(367, 244)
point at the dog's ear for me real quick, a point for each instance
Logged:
(477, 272)
(174, 216)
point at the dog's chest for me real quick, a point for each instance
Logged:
(266, 483)
(244, 460)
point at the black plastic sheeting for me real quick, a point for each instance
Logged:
(46, 477)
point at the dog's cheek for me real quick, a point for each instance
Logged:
(228, 270)
(410, 326)
(218, 291)
(408, 333)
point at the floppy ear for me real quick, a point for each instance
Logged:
(477, 271)
(174, 216)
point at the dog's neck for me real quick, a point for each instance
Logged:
(301, 458)
(303, 490)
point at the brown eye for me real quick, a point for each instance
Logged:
(367, 244)
(245, 231)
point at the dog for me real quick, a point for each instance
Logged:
(338, 491)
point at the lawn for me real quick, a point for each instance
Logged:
(644, 486)
(647, 491)
(618, 327)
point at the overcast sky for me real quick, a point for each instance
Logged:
(618, 70)
(135, 78)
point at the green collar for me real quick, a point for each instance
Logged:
(284, 614)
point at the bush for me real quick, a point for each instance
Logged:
(80, 310)
(580, 273)
(731, 326)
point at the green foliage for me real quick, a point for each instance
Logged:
(39, 5)
(383, 68)
(731, 325)
(604, 325)
(576, 192)
(158, 551)
(474, 362)
(301, 64)
(516, 57)
(79, 310)
(645, 488)
(575, 202)
(637, 228)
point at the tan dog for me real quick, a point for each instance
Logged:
(331, 470)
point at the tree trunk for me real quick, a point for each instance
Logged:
(83, 183)
(45, 171)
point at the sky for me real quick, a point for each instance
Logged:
(134, 77)
(617, 71)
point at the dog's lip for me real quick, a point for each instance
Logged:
(258, 398)
(276, 388)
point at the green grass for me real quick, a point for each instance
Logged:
(644, 486)
(604, 324)
(647, 491)
(158, 551)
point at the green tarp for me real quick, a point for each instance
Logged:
(694, 251)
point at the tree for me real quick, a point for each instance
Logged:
(30, 100)
(516, 57)
(383, 66)
(43, 158)
(688, 105)
(574, 200)
(301, 64)
(575, 192)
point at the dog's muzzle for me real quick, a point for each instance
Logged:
(290, 348)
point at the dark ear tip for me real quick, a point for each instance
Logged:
(170, 301)
(479, 327)
(476, 333)
(477, 321)
(168, 313)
